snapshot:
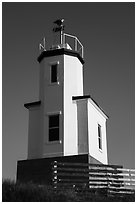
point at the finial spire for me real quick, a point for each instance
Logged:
(59, 28)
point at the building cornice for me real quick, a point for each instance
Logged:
(32, 104)
(62, 51)
(80, 97)
(91, 100)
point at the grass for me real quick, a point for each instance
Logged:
(29, 192)
(22, 192)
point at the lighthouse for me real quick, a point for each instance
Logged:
(64, 123)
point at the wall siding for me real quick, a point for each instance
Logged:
(95, 118)
(35, 140)
(73, 86)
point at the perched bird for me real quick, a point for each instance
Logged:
(59, 22)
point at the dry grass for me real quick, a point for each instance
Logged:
(29, 192)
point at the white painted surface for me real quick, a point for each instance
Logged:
(95, 117)
(78, 119)
(89, 116)
(51, 96)
(57, 98)
(82, 126)
(35, 140)
(73, 86)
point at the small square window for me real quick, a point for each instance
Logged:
(54, 77)
(54, 127)
(99, 137)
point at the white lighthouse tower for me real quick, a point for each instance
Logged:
(64, 123)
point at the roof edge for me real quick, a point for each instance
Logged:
(80, 97)
(32, 104)
(61, 51)
(89, 97)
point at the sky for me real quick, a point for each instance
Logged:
(107, 32)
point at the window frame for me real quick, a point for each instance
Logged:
(57, 77)
(48, 127)
(100, 146)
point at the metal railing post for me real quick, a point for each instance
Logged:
(75, 44)
(76, 41)
(63, 38)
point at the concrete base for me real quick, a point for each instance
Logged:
(40, 170)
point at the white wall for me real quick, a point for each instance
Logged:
(51, 96)
(73, 86)
(77, 118)
(94, 118)
(35, 140)
(56, 98)
(82, 120)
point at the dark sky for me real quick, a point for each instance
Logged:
(107, 32)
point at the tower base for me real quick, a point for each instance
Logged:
(40, 170)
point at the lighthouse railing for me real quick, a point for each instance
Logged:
(76, 43)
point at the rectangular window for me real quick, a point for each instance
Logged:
(54, 73)
(99, 137)
(54, 127)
